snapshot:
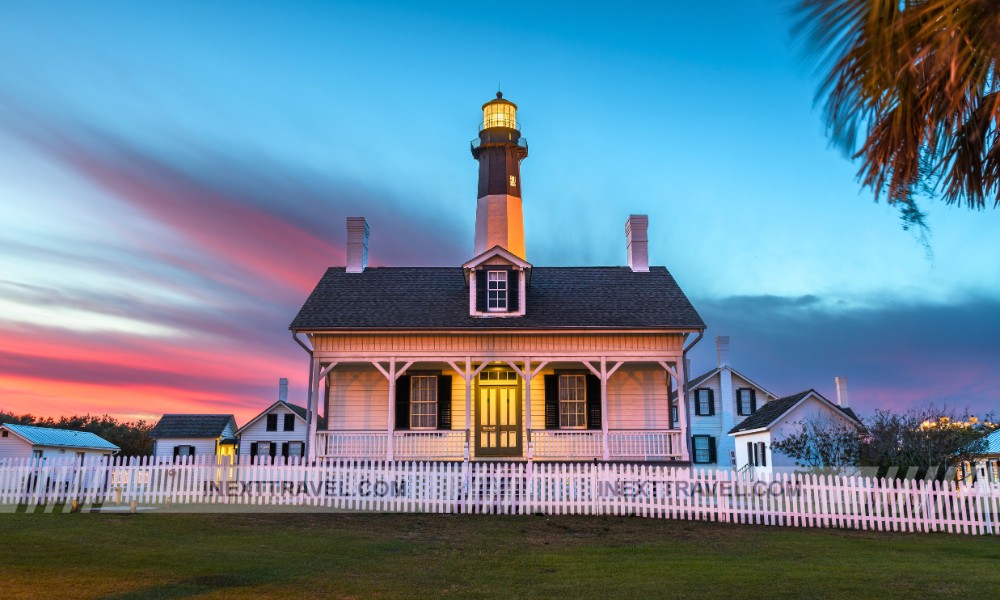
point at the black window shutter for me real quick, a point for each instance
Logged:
(552, 402)
(253, 449)
(593, 402)
(284, 449)
(711, 450)
(513, 289)
(289, 422)
(753, 401)
(711, 402)
(749, 453)
(274, 449)
(177, 451)
(403, 402)
(481, 290)
(444, 401)
(763, 455)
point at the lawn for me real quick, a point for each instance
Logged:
(425, 556)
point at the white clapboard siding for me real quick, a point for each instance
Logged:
(359, 399)
(13, 446)
(202, 446)
(638, 398)
(257, 431)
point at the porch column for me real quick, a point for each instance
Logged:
(468, 407)
(391, 425)
(392, 374)
(311, 402)
(682, 409)
(604, 408)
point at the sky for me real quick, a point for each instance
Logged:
(175, 177)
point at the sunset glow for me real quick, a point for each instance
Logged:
(174, 182)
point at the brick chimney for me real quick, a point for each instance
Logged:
(283, 389)
(357, 244)
(637, 243)
(722, 349)
(841, 391)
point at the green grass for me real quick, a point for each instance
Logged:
(428, 556)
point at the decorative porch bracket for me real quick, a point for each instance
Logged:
(604, 374)
(678, 376)
(527, 374)
(319, 372)
(392, 374)
(468, 375)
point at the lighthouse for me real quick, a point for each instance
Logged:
(499, 150)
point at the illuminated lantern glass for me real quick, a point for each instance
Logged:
(500, 113)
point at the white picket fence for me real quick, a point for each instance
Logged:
(648, 490)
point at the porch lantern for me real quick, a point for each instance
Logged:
(500, 113)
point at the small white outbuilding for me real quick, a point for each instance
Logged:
(782, 417)
(26, 441)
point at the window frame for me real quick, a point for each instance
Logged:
(268, 419)
(750, 401)
(697, 402)
(580, 389)
(264, 444)
(289, 422)
(707, 449)
(299, 445)
(501, 294)
(414, 402)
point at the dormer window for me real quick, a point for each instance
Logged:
(497, 290)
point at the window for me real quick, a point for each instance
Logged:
(746, 401)
(289, 422)
(80, 457)
(272, 422)
(4, 433)
(704, 449)
(423, 402)
(704, 402)
(263, 448)
(496, 286)
(757, 454)
(37, 454)
(183, 451)
(572, 401)
(295, 449)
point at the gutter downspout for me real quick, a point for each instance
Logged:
(687, 378)
(307, 451)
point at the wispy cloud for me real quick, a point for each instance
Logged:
(894, 354)
(194, 315)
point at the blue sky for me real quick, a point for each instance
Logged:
(174, 177)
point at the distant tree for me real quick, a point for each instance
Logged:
(131, 436)
(916, 81)
(890, 442)
(821, 443)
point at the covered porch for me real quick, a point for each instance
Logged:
(500, 407)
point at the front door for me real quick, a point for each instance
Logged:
(498, 414)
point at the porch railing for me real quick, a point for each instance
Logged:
(547, 444)
(622, 444)
(406, 445)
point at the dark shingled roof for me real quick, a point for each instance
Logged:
(299, 410)
(771, 411)
(192, 426)
(438, 298)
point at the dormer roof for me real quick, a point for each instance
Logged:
(495, 251)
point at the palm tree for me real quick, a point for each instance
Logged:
(916, 82)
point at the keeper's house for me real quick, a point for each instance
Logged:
(29, 441)
(497, 358)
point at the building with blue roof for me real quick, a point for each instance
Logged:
(25, 441)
